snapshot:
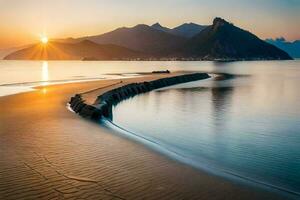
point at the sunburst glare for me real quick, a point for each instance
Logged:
(44, 39)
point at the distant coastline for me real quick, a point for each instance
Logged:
(191, 59)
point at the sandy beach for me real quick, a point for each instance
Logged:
(48, 152)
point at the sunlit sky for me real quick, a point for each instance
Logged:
(24, 21)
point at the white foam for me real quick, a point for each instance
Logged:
(68, 106)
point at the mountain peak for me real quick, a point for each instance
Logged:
(281, 39)
(190, 23)
(225, 41)
(141, 26)
(218, 21)
(188, 30)
(157, 25)
(86, 42)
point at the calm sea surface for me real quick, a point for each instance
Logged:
(248, 125)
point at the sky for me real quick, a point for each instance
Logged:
(24, 21)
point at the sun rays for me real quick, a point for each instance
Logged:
(44, 39)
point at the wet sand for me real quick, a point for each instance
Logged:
(48, 152)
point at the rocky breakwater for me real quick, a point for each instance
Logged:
(102, 107)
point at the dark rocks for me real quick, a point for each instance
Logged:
(161, 72)
(78, 107)
(76, 103)
(103, 104)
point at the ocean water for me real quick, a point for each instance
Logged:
(246, 126)
(21, 76)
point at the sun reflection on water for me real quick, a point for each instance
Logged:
(45, 76)
(45, 73)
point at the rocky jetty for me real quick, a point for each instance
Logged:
(103, 104)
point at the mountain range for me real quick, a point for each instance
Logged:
(219, 41)
(187, 30)
(141, 38)
(292, 48)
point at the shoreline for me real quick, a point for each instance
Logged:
(22, 87)
(207, 168)
(116, 95)
(44, 146)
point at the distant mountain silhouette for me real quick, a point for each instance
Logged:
(292, 48)
(141, 38)
(159, 27)
(84, 50)
(220, 41)
(187, 30)
(223, 40)
(66, 40)
(7, 51)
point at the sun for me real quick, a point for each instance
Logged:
(44, 39)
